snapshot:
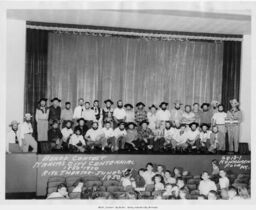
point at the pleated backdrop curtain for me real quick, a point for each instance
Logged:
(133, 70)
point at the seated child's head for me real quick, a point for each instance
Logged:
(168, 188)
(215, 164)
(183, 193)
(167, 174)
(212, 195)
(107, 125)
(232, 192)
(224, 194)
(160, 169)
(222, 173)
(158, 178)
(177, 172)
(205, 176)
(149, 166)
(62, 189)
(180, 182)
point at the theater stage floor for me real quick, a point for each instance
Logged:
(28, 173)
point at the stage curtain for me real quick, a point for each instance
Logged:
(133, 70)
(231, 72)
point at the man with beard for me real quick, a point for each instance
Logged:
(88, 115)
(55, 136)
(66, 114)
(109, 136)
(14, 142)
(121, 136)
(217, 141)
(205, 114)
(145, 137)
(26, 131)
(82, 126)
(193, 136)
(140, 113)
(54, 110)
(107, 112)
(97, 111)
(169, 132)
(163, 114)
(196, 112)
(188, 116)
(119, 113)
(67, 132)
(180, 137)
(78, 112)
(95, 137)
(176, 113)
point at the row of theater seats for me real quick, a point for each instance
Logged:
(114, 187)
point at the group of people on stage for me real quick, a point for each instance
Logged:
(196, 128)
(156, 182)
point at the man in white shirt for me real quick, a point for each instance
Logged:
(67, 132)
(77, 142)
(206, 185)
(130, 116)
(176, 113)
(119, 114)
(163, 114)
(26, 131)
(188, 116)
(88, 115)
(120, 135)
(109, 135)
(219, 118)
(14, 142)
(193, 135)
(78, 112)
(95, 137)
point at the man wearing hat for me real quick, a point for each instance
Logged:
(82, 126)
(140, 113)
(66, 114)
(14, 142)
(94, 137)
(130, 116)
(205, 134)
(193, 135)
(107, 112)
(234, 118)
(205, 114)
(67, 132)
(188, 116)
(78, 112)
(132, 136)
(54, 110)
(88, 114)
(41, 117)
(163, 114)
(176, 113)
(119, 113)
(26, 131)
(121, 136)
(145, 137)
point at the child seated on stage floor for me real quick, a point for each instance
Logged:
(205, 134)
(109, 136)
(95, 137)
(77, 142)
(55, 136)
(67, 132)
(158, 182)
(179, 142)
(131, 137)
(217, 141)
(193, 136)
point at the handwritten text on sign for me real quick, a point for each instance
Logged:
(235, 161)
(77, 165)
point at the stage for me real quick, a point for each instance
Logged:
(29, 172)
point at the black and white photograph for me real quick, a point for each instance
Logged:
(128, 101)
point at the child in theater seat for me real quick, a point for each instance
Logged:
(206, 185)
(158, 182)
(61, 192)
(148, 174)
(169, 177)
(223, 180)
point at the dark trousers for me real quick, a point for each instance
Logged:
(141, 144)
(158, 144)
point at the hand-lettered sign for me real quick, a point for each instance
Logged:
(235, 161)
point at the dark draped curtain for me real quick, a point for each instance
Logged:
(231, 72)
(36, 69)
